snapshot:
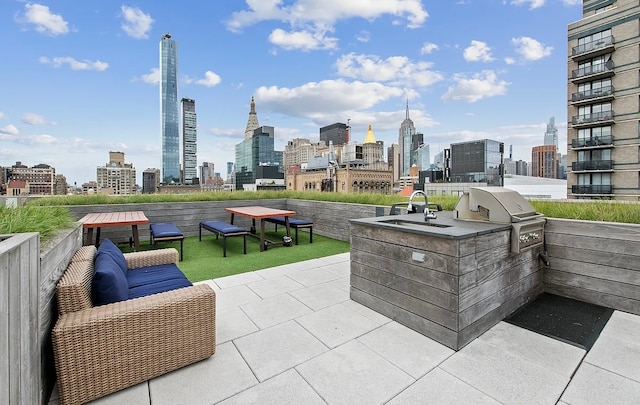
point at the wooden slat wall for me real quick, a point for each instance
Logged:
(19, 354)
(460, 289)
(329, 219)
(595, 262)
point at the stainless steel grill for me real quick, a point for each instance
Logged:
(502, 205)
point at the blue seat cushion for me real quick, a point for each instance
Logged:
(108, 284)
(153, 274)
(110, 248)
(158, 287)
(292, 221)
(222, 227)
(165, 230)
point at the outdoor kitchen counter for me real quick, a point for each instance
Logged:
(443, 226)
(451, 280)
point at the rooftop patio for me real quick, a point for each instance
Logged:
(290, 334)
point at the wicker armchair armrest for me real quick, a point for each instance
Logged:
(107, 348)
(151, 258)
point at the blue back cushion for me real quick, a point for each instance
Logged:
(107, 246)
(109, 283)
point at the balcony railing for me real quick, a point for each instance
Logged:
(593, 46)
(591, 142)
(592, 189)
(592, 70)
(592, 93)
(592, 165)
(593, 117)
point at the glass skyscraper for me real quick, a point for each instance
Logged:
(189, 138)
(254, 152)
(169, 115)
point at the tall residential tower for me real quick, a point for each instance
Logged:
(603, 131)
(169, 116)
(189, 139)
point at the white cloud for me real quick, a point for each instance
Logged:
(530, 49)
(509, 60)
(303, 40)
(475, 88)
(74, 64)
(37, 140)
(210, 79)
(9, 130)
(572, 2)
(2, 115)
(363, 36)
(311, 19)
(33, 119)
(397, 70)
(533, 4)
(136, 23)
(152, 77)
(321, 98)
(478, 51)
(44, 20)
(427, 48)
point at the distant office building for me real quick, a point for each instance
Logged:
(229, 168)
(298, 152)
(207, 173)
(90, 187)
(544, 161)
(477, 162)
(393, 160)
(60, 186)
(522, 168)
(423, 157)
(254, 152)
(150, 180)
(373, 152)
(405, 142)
(189, 141)
(602, 111)
(169, 116)
(116, 177)
(336, 133)
(41, 178)
(551, 134)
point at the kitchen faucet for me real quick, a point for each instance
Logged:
(427, 214)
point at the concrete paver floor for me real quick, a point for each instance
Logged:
(291, 335)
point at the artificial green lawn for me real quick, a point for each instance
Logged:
(203, 260)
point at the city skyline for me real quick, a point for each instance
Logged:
(83, 79)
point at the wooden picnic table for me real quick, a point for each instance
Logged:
(262, 213)
(98, 220)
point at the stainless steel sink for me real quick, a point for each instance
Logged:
(405, 222)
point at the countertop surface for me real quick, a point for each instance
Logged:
(444, 225)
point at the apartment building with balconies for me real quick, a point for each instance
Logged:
(603, 130)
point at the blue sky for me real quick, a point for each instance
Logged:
(80, 78)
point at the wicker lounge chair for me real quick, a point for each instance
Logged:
(102, 349)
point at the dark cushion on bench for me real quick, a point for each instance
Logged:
(292, 221)
(158, 287)
(222, 227)
(153, 274)
(164, 230)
